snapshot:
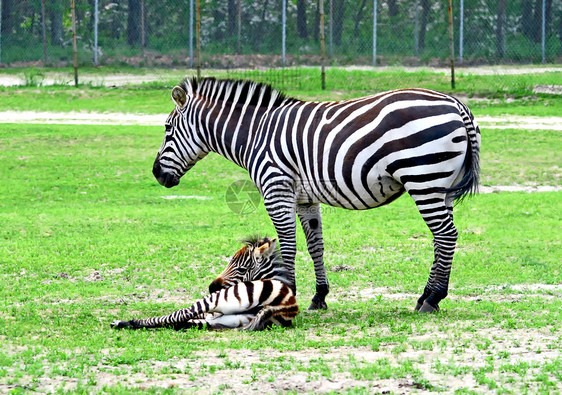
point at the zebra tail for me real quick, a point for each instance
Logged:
(468, 185)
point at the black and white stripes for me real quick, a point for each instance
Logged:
(253, 292)
(356, 154)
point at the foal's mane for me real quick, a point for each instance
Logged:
(255, 90)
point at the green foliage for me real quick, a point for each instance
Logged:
(348, 26)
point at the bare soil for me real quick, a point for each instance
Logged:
(247, 371)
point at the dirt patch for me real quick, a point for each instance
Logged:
(520, 122)
(436, 366)
(185, 197)
(518, 188)
(549, 89)
(94, 118)
(81, 118)
(498, 294)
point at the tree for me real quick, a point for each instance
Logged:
(526, 19)
(426, 8)
(260, 27)
(339, 16)
(393, 9)
(302, 28)
(500, 29)
(134, 23)
(56, 10)
(358, 18)
(8, 17)
(231, 28)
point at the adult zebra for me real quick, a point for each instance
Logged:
(357, 154)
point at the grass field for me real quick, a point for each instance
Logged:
(88, 236)
(149, 90)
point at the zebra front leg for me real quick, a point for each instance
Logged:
(439, 219)
(311, 221)
(281, 210)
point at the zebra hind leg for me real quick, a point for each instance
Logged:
(282, 315)
(262, 320)
(438, 215)
(177, 320)
(310, 217)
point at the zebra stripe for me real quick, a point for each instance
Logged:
(256, 302)
(263, 299)
(356, 154)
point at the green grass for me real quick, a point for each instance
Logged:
(486, 95)
(87, 238)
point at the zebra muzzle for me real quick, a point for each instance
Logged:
(166, 179)
(216, 285)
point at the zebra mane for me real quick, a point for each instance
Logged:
(254, 90)
(281, 269)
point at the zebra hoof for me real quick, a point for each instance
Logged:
(418, 306)
(318, 306)
(427, 308)
(117, 324)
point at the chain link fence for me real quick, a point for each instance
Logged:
(273, 33)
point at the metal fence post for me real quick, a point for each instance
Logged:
(543, 32)
(96, 21)
(374, 32)
(461, 32)
(283, 30)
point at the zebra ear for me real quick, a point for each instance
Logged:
(179, 96)
(266, 249)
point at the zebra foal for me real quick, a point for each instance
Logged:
(356, 154)
(252, 293)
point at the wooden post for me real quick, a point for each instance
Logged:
(283, 30)
(96, 22)
(0, 31)
(191, 34)
(74, 47)
(322, 45)
(198, 36)
(44, 34)
(451, 43)
(143, 42)
(543, 32)
(375, 5)
(239, 49)
(461, 33)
